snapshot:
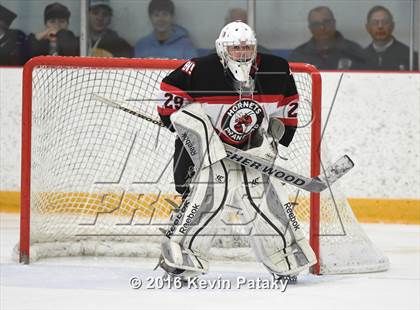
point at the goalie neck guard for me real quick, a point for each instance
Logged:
(236, 48)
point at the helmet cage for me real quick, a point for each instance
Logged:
(240, 35)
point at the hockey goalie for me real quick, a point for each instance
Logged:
(247, 100)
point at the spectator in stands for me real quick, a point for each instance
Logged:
(328, 49)
(385, 52)
(167, 40)
(105, 42)
(55, 39)
(242, 15)
(12, 41)
(235, 14)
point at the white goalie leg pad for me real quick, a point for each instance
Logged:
(277, 239)
(196, 132)
(292, 260)
(188, 240)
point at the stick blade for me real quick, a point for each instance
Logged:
(338, 169)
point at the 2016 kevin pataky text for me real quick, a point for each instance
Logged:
(219, 283)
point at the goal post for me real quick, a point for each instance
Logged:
(98, 181)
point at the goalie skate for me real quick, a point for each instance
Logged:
(177, 262)
(290, 279)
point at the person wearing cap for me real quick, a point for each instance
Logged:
(105, 42)
(12, 51)
(167, 40)
(55, 39)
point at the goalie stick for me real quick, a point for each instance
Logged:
(316, 184)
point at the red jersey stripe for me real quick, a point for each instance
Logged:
(289, 99)
(289, 121)
(165, 111)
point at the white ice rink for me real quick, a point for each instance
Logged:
(103, 283)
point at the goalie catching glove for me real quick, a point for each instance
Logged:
(266, 144)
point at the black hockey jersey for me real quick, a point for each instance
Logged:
(234, 116)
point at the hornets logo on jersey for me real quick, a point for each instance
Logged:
(242, 119)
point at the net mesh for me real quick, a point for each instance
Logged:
(101, 178)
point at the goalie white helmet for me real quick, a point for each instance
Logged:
(236, 47)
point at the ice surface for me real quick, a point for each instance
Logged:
(103, 283)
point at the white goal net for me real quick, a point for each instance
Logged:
(98, 181)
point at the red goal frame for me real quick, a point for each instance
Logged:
(90, 62)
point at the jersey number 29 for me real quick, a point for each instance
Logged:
(173, 102)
